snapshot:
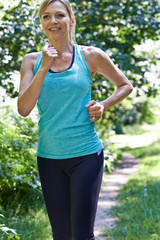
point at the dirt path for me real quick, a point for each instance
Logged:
(112, 183)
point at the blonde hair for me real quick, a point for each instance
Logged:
(68, 6)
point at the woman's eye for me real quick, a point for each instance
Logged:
(61, 15)
(46, 17)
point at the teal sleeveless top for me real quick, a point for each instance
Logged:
(65, 129)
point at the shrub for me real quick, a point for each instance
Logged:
(141, 110)
(11, 233)
(18, 168)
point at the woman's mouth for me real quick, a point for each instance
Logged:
(54, 29)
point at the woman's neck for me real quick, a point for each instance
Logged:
(62, 47)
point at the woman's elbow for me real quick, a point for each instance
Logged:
(130, 88)
(22, 110)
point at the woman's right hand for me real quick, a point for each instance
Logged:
(49, 54)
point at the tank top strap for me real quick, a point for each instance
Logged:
(82, 59)
(38, 63)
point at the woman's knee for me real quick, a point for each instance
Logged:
(79, 234)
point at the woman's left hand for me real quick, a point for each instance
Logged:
(96, 110)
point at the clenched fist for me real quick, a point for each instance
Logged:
(96, 110)
(49, 54)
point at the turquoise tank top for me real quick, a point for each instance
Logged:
(65, 129)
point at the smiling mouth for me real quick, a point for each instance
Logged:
(54, 29)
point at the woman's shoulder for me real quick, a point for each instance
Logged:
(91, 52)
(30, 59)
(90, 49)
(92, 55)
(31, 56)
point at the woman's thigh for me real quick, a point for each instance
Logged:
(85, 186)
(55, 187)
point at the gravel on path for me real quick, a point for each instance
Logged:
(112, 183)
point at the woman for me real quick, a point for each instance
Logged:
(69, 154)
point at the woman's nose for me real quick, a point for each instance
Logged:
(54, 19)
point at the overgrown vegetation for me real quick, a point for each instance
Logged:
(21, 199)
(33, 225)
(18, 169)
(135, 112)
(7, 232)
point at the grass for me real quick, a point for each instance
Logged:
(139, 213)
(33, 224)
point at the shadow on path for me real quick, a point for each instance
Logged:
(109, 191)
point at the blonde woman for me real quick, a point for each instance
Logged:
(69, 154)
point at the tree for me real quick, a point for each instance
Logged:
(111, 25)
(114, 26)
(19, 33)
(117, 27)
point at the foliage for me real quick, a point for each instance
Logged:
(33, 225)
(143, 111)
(117, 27)
(17, 27)
(21, 199)
(11, 233)
(18, 168)
(138, 111)
(111, 154)
(113, 26)
(130, 130)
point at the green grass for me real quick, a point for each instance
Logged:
(33, 224)
(139, 215)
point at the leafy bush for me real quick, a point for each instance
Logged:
(11, 233)
(18, 168)
(141, 110)
(146, 110)
(104, 130)
(132, 116)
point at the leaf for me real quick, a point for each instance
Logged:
(17, 237)
(6, 229)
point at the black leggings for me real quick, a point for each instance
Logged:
(71, 188)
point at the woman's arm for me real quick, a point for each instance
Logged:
(102, 64)
(30, 85)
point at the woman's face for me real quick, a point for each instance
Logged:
(56, 22)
